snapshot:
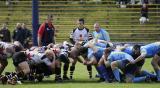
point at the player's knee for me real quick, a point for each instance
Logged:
(74, 62)
(114, 65)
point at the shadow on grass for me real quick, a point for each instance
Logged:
(64, 82)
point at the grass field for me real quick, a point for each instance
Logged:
(81, 80)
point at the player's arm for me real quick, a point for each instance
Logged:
(91, 61)
(107, 61)
(130, 59)
(121, 48)
(40, 34)
(106, 37)
(72, 57)
(141, 57)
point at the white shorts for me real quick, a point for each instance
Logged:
(143, 20)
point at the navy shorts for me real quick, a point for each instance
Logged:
(130, 69)
(19, 57)
(122, 63)
(63, 58)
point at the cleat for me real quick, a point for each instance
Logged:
(4, 79)
(90, 77)
(148, 79)
(19, 82)
(101, 80)
(40, 78)
(97, 76)
(65, 78)
(71, 77)
(13, 80)
(58, 79)
(158, 79)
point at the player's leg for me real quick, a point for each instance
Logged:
(115, 69)
(72, 68)
(3, 63)
(102, 70)
(155, 65)
(58, 71)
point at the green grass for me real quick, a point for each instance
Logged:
(81, 80)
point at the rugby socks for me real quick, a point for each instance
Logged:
(10, 75)
(139, 79)
(72, 68)
(65, 69)
(58, 74)
(89, 68)
(146, 73)
(99, 73)
(158, 75)
(110, 73)
(4, 79)
(116, 74)
(103, 72)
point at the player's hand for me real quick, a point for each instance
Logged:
(85, 62)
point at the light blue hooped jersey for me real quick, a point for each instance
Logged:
(150, 49)
(97, 54)
(116, 55)
(101, 45)
(128, 50)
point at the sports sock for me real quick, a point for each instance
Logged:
(103, 72)
(146, 73)
(116, 74)
(89, 68)
(65, 69)
(139, 79)
(158, 74)
(72, 68)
